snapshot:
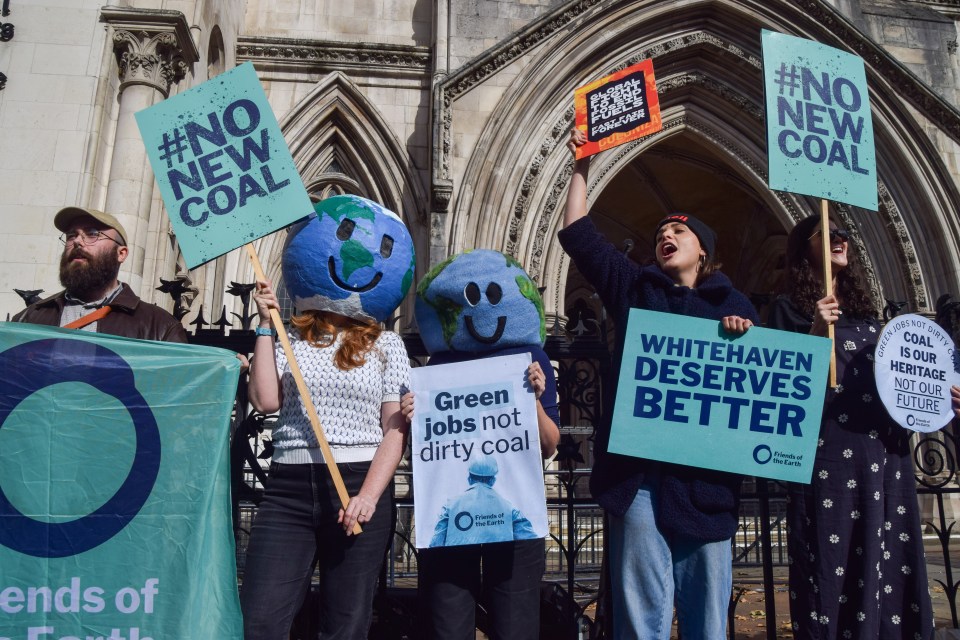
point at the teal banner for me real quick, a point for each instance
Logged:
(819, 128)
(115, 518)
(224, 170)
(695, 395)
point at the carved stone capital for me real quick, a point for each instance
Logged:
(442, 191)
(153, 47)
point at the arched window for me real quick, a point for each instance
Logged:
(216, 59)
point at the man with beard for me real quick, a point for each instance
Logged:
(94, 246)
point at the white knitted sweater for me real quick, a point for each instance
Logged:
(348, 402)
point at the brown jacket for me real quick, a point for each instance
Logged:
(129, 317)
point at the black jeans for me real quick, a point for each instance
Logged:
(504, 577)
(295, 529)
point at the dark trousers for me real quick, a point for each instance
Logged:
(503, 577)
(295, 529)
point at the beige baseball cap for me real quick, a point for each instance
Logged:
(67, 215)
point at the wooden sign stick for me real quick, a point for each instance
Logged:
(828, 280)
(304, 392)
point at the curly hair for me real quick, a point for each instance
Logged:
(320, 329)
(804, 285)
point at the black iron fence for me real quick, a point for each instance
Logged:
(572, 597)
(573, 589)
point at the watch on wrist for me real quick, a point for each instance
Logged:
(266, 331)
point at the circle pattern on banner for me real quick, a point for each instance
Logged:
(467, 518)
(762, 454)
(42, 363)
(915, 365)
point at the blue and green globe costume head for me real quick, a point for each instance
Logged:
(353, 257)
(479, 301)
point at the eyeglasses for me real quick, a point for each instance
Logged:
(839, 235)
(86, 237)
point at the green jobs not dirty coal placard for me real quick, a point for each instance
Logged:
(692, 394)
(222, 165)
(819, 128)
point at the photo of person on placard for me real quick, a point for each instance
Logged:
(480, 501)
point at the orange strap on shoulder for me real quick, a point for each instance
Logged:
(90, 318)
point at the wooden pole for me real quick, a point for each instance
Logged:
(828, 280)
(304, 392)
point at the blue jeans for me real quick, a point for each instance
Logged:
(503, 577)
(295, 529)
(651, 574)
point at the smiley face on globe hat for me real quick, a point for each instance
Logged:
(480, 300)
(353, 257)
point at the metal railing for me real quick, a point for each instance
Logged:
(574, 589)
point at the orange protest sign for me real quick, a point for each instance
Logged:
(618, 108)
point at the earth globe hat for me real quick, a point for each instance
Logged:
(352, 257)
(67, 215)
(479, 301)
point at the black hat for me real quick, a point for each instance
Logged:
(708, 239)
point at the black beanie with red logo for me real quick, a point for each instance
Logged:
(708, 239)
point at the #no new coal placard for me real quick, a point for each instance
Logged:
(819, 128)
(223, 168)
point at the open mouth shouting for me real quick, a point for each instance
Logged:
(332, 267)
(667, 249)
(472, 330)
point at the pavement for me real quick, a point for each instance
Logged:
(751, 621)
(750, 618)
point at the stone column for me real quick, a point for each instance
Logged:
(442, 186)
(154, 50)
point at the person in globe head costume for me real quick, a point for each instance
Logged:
(857, 567)
(482, 304)
(346, 269)
(670, 526)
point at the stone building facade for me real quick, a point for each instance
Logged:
(454, 113)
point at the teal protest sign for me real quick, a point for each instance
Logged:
(819, 128)
(115, 518)
(692, 394)
(222, 165)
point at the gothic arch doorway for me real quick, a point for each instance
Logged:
(681, 174)
(707, 59)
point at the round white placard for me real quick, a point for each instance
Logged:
(915, 364)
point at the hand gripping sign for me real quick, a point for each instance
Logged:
(915, 364)
(819, 129)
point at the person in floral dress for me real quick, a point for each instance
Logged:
(857, 567)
